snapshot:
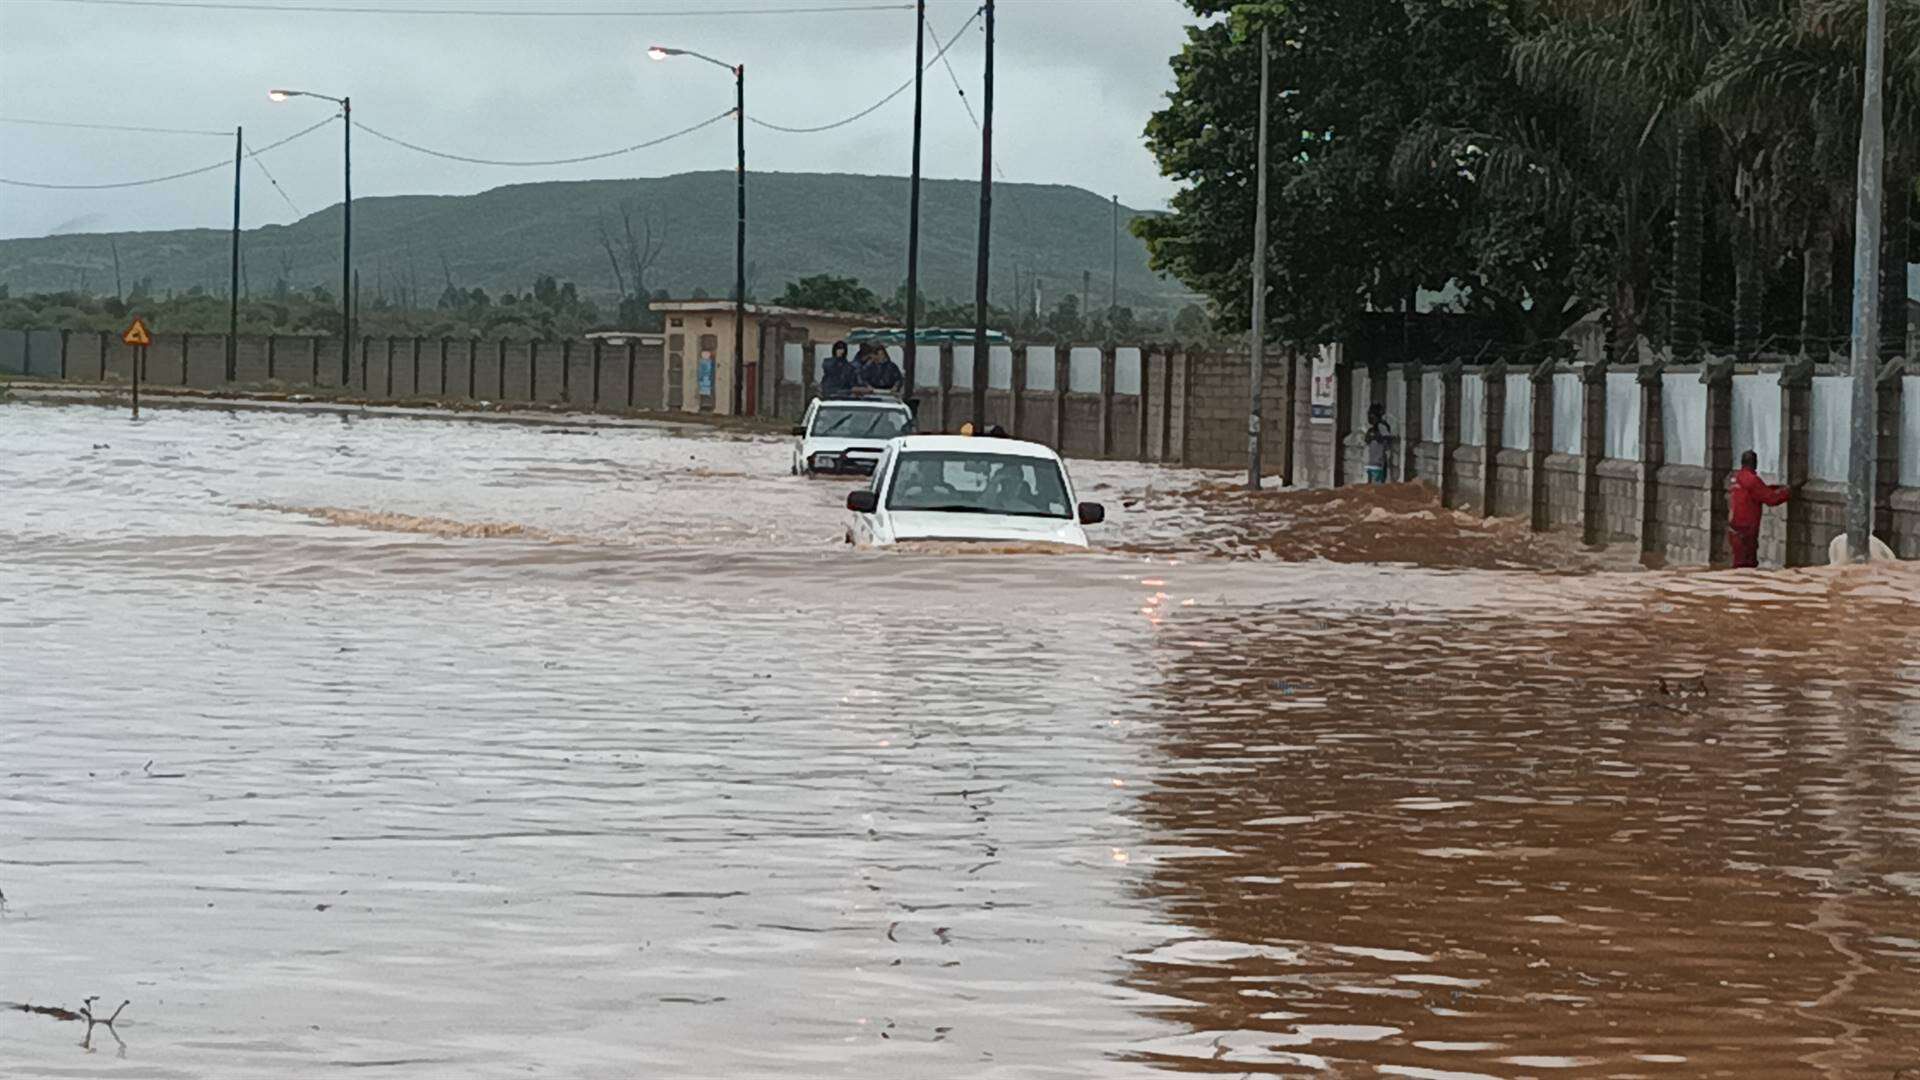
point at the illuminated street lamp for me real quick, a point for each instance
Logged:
(661, 52)
(346, 223)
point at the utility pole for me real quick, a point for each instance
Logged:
(233, 279)
(740, 240)
(912, 347)
(1113, 291)
(1258, 362)
(1086, 296)
(986, 230)
(1866, 290)
(348, 306)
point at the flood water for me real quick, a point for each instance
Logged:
(423, 748)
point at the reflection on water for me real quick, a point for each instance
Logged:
(493, 752)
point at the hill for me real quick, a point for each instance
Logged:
(798, 224)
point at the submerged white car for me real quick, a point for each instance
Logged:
(959, 487)
(847, 435)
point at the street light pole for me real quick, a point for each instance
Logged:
(1258, 364)
(986, 229)
(1866, 291)
(346, 222)
(662, 52)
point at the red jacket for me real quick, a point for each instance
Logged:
(1748, 495)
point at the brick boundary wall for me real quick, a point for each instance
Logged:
(1190, 409)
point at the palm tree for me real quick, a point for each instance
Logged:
(1638, 67)
(1793, 78)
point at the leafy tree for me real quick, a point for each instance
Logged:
(825, 292)
(1350, 231)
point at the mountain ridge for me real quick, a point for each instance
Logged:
(798, 224)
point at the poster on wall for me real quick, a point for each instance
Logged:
(1324, 386)
(705, 373)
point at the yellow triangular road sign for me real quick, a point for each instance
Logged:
(137, 333)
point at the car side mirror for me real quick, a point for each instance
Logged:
(1092, 513)
(862, 501)
(800, 430)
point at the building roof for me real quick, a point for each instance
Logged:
(725, 307)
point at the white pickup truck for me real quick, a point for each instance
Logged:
(958, 487)
(847, 435)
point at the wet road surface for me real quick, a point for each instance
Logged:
(446, 749)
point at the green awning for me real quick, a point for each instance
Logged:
(930, 335)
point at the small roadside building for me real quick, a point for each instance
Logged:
(699, 347)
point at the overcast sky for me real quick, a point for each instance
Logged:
(1075, 82)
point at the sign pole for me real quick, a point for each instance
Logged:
(137, 337)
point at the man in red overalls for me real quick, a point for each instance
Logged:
(1745, 503)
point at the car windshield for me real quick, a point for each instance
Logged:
(844, 422)
(974, 483)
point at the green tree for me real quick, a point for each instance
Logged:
(1350, 231)
(825, 292)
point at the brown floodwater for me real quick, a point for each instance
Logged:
(424, 748)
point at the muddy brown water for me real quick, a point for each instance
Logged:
(502, 751)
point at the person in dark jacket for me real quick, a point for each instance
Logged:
(839, 376)
(1746, 502)
(878, 371)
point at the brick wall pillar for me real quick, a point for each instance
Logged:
(1413, 417)
(806, 377)
(1166, 407)
(533, 369)
(1719, 381)
(1652, 453)
(1493, 425)
(1796, 420)
(1449, 429)
(473, 367)
(1140, 404)
(1187, 406)
(1540, 445)
(944, 417)
(416, 367)
(1016, 391)
(1593, 448)
(1886, 475)
(1106, 401)
(1342, 418)
(1061, 372)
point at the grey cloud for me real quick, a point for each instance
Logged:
(1077, 79)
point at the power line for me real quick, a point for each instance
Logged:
(551, 161)
(560, 13)
(958, 89)
(276, 184)
(221, 164)
(869, 110)
(108, 127)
